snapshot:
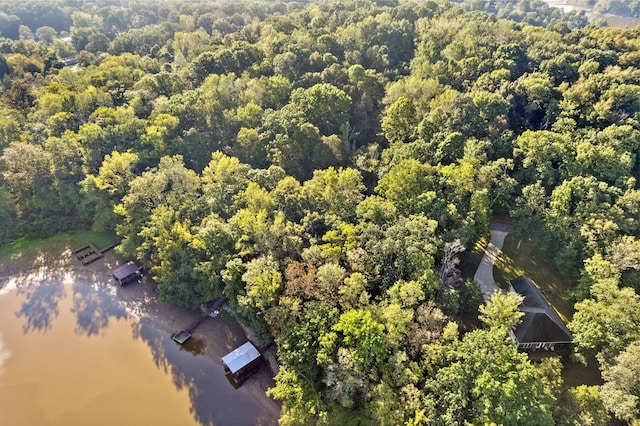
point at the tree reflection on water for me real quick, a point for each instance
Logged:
(212, 399)
(40, 306)
(94, 309)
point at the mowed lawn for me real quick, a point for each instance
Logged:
(519, 258)
(31, 248)
(471, 258)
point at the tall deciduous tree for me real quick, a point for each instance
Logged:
(621, 391)
(607, 323)
(486, 380)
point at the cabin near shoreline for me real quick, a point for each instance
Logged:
(127, 273)
(242, 362)
(541, 328)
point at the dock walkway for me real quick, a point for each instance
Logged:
(213, 311)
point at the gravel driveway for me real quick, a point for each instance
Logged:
(484, 274)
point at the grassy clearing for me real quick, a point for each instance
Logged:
(33, 247)
(575, 374)
(519, 258)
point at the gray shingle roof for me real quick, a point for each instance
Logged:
(540, 322)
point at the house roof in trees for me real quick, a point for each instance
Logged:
(540, 322)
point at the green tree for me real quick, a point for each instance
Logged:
(105, 189)
(502, 311)
(263, 283)
(410, 186)
(324, 106)
(401, 251)
(27, 177)
(354, 346)
(300, 402)
(607, 323)
(584, 406)
(621, 391)
(172, 186)
(213, 245)
(547, 153)
(335, 192)
(400, 121)
(486, 380)
(298, 347)
(222, 179)
(174, 262)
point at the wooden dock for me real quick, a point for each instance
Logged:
(213, 311)
(88, 254)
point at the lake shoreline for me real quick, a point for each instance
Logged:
(612, 19)
(213, 338)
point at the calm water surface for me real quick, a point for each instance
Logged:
(612, 20)
(71, 355)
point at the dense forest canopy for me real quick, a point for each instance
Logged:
(316, 163)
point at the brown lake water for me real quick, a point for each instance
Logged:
(72, 355)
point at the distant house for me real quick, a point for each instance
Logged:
(127, 273)
(541, 327)
(69, 62)
(242, 362)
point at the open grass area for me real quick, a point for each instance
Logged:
(31, 247)
(519, 258)
(575, 374)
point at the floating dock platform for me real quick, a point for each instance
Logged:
(88, 254)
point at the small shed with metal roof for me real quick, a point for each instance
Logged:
(242, 362)
(127, 273)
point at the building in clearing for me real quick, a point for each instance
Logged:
(541, 326)
(242, 362)
(127, 273)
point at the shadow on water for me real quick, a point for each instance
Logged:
(193, 345)
(213, 399)
(40, 307)
(94, 309)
